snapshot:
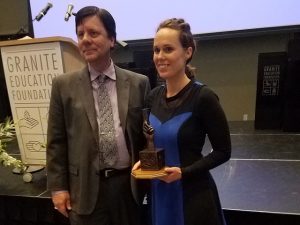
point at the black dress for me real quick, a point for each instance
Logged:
(181, 125)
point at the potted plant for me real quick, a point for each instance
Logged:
(7, 134)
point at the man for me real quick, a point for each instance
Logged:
(88, 159)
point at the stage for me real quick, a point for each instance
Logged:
(25, 203)
(259, 185)
(261, 182)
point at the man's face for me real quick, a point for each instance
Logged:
(93, 41)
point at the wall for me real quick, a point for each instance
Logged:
(228, 66)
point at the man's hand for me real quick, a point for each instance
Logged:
(61, 201)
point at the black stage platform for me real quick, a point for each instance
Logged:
(261, 182)
(260, 185)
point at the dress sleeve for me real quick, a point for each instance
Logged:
(215, 126)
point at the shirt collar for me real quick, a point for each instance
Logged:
(109, 72)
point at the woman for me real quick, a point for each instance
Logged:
(183, 112)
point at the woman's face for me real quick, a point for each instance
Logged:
(168, 54)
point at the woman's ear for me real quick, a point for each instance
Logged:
(188, 53)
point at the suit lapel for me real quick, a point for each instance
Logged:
(123, 88)
(87, 98)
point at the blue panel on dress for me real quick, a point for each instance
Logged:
(167, 201)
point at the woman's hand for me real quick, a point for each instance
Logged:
(136, 166)
(173, 174)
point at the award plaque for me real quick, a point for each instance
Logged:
(152, 159)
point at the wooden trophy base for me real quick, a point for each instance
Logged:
(148, 174)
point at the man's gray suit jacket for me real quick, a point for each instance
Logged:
(72, 138)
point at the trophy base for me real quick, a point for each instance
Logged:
(148, 174)
(152, 160)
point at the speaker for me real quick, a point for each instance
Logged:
(291, 114)
(5, 110)
(270, 90)
(15, 19)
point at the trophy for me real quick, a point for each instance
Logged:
(152, 159)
